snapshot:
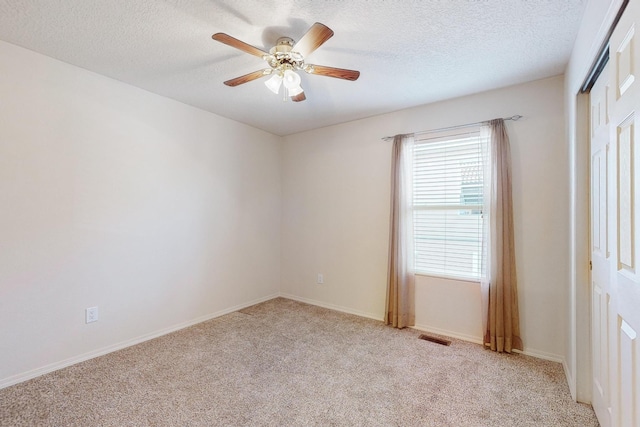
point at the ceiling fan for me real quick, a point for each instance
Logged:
(285, 58)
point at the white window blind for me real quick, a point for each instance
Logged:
(448, 190)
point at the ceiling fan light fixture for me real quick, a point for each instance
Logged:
(285, 58)
(274, 83)
(295, 91)
(291, 79)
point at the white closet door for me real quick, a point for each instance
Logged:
(615, 229)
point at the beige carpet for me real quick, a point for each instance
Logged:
(284, 363)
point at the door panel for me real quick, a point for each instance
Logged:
(615, 221)
(627, 348)
(626, 246)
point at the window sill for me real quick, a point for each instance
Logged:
(442, 276)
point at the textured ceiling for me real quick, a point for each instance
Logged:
(408, 52)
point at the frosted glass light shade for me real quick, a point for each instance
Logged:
(295, 91)
(274, 83)
(291, 79)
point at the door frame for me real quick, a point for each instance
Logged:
(580, 255)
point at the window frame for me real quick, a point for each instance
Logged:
(444, 137)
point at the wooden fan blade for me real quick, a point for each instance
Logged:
(338, 73)
(313, 39)
(247, 77)
(233, 42)
(299, 97)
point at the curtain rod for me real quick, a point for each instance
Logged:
(514, 118)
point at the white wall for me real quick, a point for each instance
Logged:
(336, 202)
(597, 20)
(158, 213)
(162, 214)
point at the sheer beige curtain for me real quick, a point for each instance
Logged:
(400, 311)
(501, 321)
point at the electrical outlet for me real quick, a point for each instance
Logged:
(91, 314)
(320, 280)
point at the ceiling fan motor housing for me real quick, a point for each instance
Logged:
(285, 43)
(282, 58)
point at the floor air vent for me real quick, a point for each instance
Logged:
(434, 339)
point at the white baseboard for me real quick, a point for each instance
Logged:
(469, 338)
(15, 379)
(542, 355)
(331, 306)
(456, 335)
(570, 381)
(478, 340)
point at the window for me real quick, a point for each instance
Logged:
(448, 171)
